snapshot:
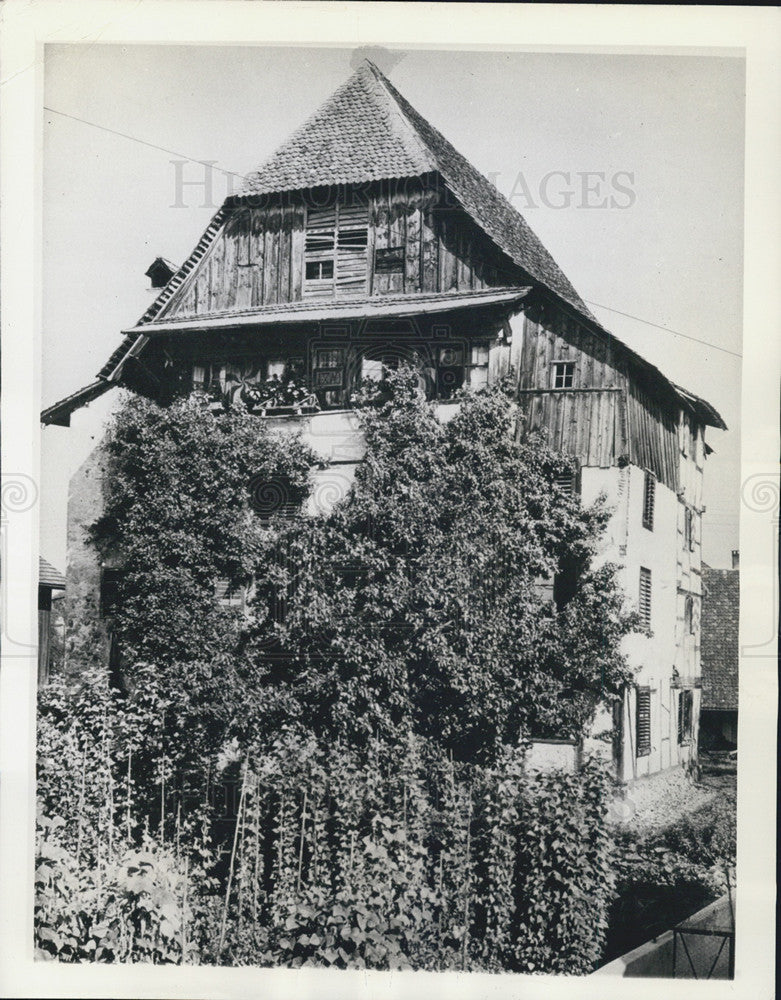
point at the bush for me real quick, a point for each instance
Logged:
(375, 700)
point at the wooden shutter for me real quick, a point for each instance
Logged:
(649, 500)
(690, 528)
(352, 239)
(319, 249)
(685, 704)
(643, 721)
(566, 482)
(644, 603)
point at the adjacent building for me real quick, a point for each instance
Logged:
(720, 653)
(367, 239)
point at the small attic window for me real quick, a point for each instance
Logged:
(563, 374)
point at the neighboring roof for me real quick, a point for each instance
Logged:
(60, 413)
(719, 642)
(48, 576)
(366, 131)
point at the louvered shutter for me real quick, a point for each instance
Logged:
(644, 602)
(226, 595)
(319, 248)
(351, 267)
(649, 500)
(643, 723)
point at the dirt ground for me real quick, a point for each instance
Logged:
(653, 811)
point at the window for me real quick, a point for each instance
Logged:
(688, 616)
(685, 709)
(565, 582)
(649, 499)
(335, 250)
(274, 497)
(328, 371)
(566, 481)
(372, 370)
(389, 260)
(450, 371)
(317, 270)
(643, 722)
(204, 377)
(478, 368)
(563, 374)
(227, 594)
(688, 529)
(644, 603)
(109, 592)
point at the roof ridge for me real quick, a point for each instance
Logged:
(416, 119)
(391, 93)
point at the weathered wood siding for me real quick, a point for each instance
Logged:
(257, 258)
(612, 411)
(652, 433)
(587, 421)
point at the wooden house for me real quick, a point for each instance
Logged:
(367, 239)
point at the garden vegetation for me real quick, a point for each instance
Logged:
(333, 772)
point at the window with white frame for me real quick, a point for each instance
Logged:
(563, 374)
(478, 367)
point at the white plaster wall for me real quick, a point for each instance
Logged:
(632, 546)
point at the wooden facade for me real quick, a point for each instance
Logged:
(417, 240)
(612, 413)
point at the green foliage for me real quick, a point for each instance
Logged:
(371, 857)
(178, 515)
(414, 606)
(698, 850)
(375, 702)
(568, 873)
(134, 906)
(418, 862)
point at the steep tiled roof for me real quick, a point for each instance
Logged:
(719, 645)
(358, 135)
(48, 576)
(367, 131)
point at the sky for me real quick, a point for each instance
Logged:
(629, 167)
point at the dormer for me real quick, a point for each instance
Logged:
(160, 272)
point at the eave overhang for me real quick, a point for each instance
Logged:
(295, 313)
